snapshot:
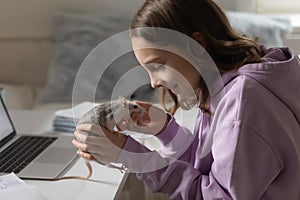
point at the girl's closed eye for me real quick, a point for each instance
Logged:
(159, 66)
(156, 66)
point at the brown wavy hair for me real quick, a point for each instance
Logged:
(228, 49)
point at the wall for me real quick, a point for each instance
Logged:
(226, 4)
(26, 29)
(33, 18)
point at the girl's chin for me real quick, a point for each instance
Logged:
(188, 103)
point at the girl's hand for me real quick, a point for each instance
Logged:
(152, 122)
(97, 143)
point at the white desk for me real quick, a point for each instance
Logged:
(105, 181)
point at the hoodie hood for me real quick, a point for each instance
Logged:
(279, 71)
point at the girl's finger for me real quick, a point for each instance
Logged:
(80, 136)
(79, 145)
(91, 128)
(86, 155)
(134, 118)
(139, 120)
(131, 126)
(93, 156)
(90, 150)
(94, 140)
(104, 153)
(121, 126)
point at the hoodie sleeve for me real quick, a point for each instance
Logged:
(174, 140)
(239, 169)
(176, 143)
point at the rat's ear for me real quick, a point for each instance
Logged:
(123, 101)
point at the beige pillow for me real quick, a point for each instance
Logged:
(18, 96)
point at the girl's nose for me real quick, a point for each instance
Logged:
(155, 83)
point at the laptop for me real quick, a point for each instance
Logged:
(33, 157)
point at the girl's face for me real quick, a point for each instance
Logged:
(168, 70)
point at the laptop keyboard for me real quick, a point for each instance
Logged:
(21, 152)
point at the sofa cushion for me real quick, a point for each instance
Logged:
(76, 34)
(18, 96)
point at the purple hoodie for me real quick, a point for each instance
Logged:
(256, 154)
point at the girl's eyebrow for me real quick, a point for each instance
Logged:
(152, 60)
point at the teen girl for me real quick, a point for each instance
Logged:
(257, 154)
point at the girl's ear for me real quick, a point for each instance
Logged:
(199, 38)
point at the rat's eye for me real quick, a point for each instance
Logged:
(135, 106)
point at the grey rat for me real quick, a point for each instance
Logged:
(109, 114)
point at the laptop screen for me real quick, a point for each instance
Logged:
(6, 127)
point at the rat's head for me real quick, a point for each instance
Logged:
(131, 106)
(123, 108)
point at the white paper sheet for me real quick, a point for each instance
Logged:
(77, 111)
(13, 188)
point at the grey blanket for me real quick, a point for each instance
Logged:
(271, 31)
